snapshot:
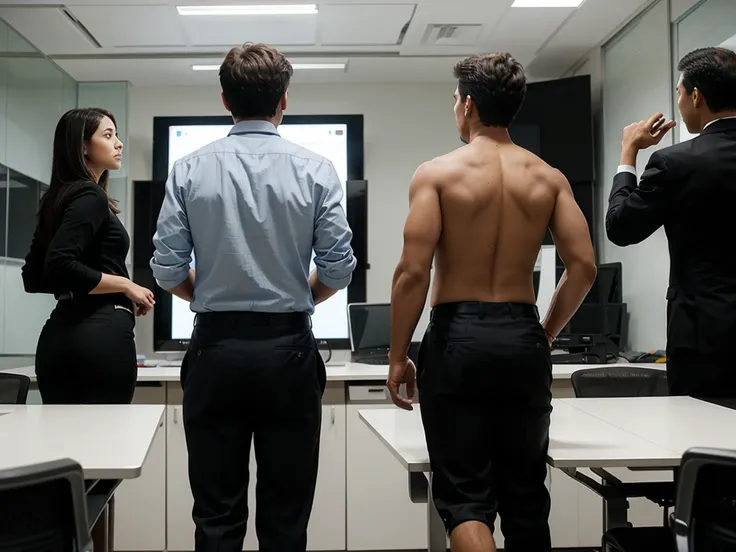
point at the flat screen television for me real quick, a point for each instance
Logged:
(337, 137)
(555, 122)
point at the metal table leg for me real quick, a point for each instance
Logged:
(420, 492)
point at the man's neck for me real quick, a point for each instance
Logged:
(272, 120)
(494, 133)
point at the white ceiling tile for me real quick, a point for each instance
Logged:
(126, 25)
(348, 24)
(48, 29)
(525, 30)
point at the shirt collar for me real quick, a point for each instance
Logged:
(253, 126)
(716, 120)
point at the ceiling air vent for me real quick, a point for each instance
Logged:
(80, 27)
(451, 35)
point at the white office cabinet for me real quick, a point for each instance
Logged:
(380, 515)
(327, 523)
(590, 515)
(563, 516)
(179, 524)
(140, 504)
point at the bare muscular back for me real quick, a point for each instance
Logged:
(496, 202)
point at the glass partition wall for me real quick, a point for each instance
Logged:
(34, 93)
(708, 23)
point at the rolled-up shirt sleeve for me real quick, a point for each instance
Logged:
(172, 241)
(333, 253)
(85, 212)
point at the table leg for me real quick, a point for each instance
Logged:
(99, 532)
(420, 485)
(615, 510)
(111, 524)
(436, 533)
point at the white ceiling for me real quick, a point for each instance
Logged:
(148, 43)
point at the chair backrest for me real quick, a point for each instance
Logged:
(14, 388)
(43, 508)
(619, 381)
(705, 509)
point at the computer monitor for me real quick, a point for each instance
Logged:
(607, 288)
(607, 319)
(369, 326)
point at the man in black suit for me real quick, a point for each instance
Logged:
(690, 189)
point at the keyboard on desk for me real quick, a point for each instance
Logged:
(375, 360)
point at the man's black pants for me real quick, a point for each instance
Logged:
(252, 376)
(485, 377)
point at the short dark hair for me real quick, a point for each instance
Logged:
(497, 85)
(254, 77)
(713, 72)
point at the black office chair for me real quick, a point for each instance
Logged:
(620, 381)
(14, 388)
(43, 508)
(629, 381)
(705, 514)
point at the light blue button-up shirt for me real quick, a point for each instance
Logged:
(252, 207)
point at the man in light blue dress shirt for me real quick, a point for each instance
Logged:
(253, 207)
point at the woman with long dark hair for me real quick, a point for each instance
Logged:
(86, 352)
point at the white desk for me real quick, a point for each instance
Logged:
(640, 432)
(108, 441)
(347, 371)
(672, 423)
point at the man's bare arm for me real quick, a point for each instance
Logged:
(572, 239)
(320, 292)
(185, 290)
(411, 278)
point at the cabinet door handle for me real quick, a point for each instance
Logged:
(176, 418)
(332, 415)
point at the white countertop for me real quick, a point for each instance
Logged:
(108, 441)
(577, 439)
(347, 371)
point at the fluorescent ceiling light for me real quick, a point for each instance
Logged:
(274, 9)
(547, 3)
(296, 66)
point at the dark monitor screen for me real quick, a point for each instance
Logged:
(369, 325)
(607, 287)
(600, 319)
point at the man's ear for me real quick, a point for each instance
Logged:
(468, 106)
(697, 98)
(224, 101)
(284, 100)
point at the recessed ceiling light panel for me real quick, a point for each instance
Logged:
(273, 9)
(547, 3)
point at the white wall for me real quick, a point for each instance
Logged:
(637, 82)
(404, 126)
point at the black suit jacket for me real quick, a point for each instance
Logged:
(690, 189)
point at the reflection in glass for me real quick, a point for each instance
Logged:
(3, 207)
(23, 198)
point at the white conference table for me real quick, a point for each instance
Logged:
(108, 441)
(641, 432)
